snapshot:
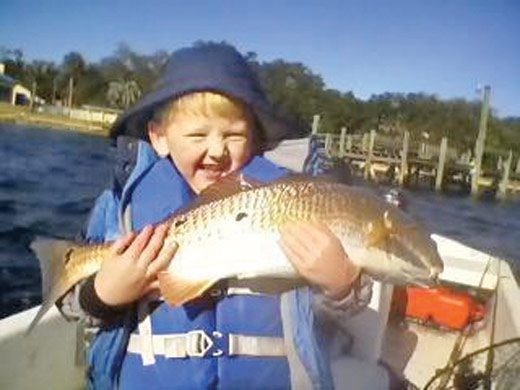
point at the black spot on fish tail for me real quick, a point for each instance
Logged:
(240, 216)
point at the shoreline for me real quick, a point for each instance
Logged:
(23, 116)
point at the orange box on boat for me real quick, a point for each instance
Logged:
(443, 306)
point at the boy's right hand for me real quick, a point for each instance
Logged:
(131, 271)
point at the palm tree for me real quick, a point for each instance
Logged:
(123, 93)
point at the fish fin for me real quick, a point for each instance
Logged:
(376, 234)
(296, 177)
(229, 185)
(44, 308)
(52, 255)
(177, 291)
(387, 221)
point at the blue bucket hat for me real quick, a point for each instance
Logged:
(217, 68)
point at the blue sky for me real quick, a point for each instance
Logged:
(442, 47)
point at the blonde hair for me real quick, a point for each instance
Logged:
(206, 104)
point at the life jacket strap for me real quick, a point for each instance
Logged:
(198, 343)
(145, 334)
(256, 345)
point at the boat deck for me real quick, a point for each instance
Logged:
(418, 351)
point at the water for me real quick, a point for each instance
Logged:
(48, 183)
(50, 179)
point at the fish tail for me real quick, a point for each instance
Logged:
(52, 255)
(177, 291)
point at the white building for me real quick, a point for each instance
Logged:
(12, 91)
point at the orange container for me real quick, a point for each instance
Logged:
(443, 306)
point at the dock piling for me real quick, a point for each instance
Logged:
(348, 146)
(342, 142)
(364, 142)
(502, 186)
(404, 158)
(368, 161)
(440, 166)
(328, 144)
(315, 124)
(481, 140)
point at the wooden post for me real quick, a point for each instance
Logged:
(466, 157)
(404, 158)
(348, 146)
(342, 142)
(517, 170)
(54, 91)
(440, 166)
(422, 151)
(368, 160)
(33, 95)
(315, 124)
(71, 87)
(364, 142)
(481, 140)
(502, 186)
(328, 144)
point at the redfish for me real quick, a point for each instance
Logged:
(232, 232)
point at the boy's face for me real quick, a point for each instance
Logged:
(204, 149)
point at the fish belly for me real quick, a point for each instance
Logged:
(242, 256)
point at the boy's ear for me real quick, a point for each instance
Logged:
(158, 138)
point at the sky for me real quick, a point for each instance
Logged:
(449, 48)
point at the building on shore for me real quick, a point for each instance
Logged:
(11, 91)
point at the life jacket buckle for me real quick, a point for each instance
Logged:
(198, 343)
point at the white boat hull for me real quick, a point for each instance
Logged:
(44, 359)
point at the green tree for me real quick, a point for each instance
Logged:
(44, 74)
(73, 67)
(13, 61)
(123, 93)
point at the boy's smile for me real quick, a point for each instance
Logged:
(204, 149)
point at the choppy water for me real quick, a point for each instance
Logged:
(49, 180)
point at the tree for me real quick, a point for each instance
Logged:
(14, 62)
(73, 67)
(296, 92)
(44, 74)
(123, 93)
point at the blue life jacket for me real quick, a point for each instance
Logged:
(109, 362)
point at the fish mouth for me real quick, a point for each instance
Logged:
(424, 277)
(420, 262)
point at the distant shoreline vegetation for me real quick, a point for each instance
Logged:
(296, 92)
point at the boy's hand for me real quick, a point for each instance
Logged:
(131, 271)
(318, 256)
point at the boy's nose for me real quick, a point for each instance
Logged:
(217, 149)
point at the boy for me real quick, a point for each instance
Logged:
(206, 119)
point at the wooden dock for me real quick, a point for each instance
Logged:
(401, 161)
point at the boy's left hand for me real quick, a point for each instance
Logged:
(318, 256)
